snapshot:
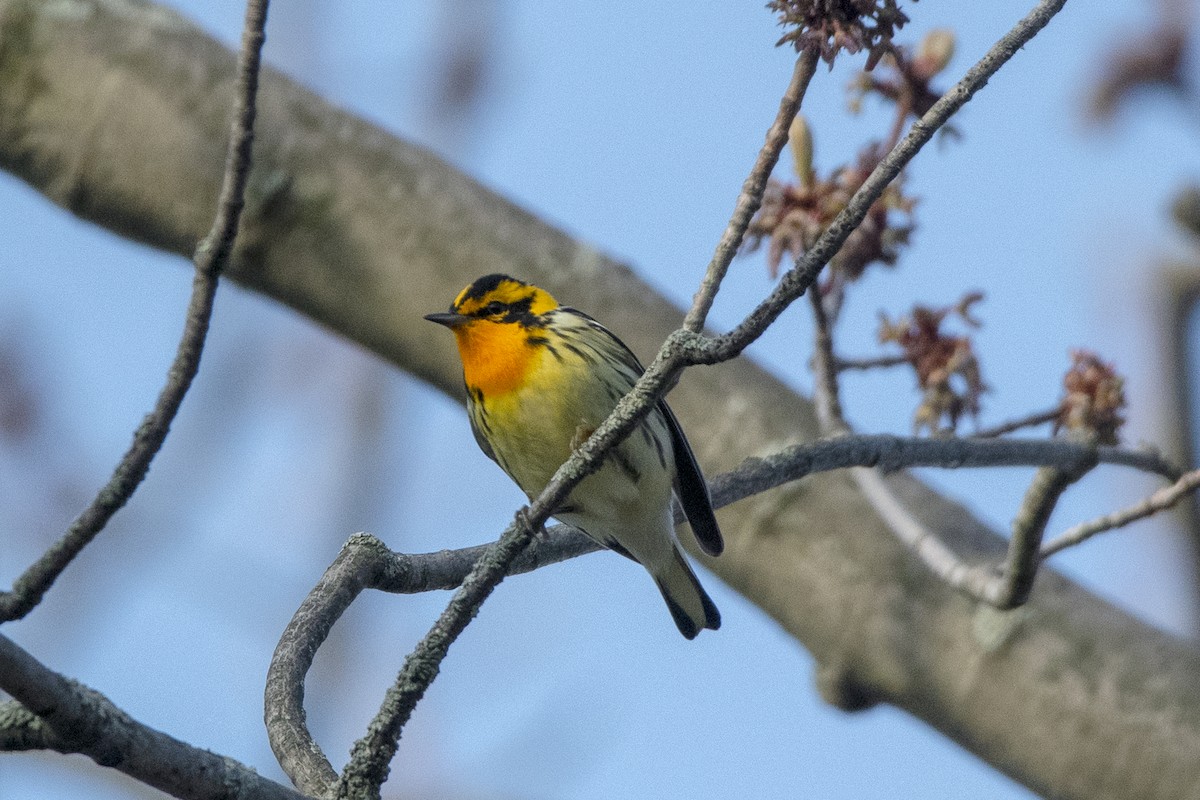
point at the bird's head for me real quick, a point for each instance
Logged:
(498, 322)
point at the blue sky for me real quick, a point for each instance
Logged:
(632, 127)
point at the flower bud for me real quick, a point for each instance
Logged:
(800, 138)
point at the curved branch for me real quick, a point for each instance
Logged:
(1028, 527)
(366, 563)
(210, 259)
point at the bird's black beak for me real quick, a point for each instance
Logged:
(449, 319)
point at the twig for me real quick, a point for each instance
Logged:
(1160, 500)
(371, 756)
(845, 364)
(797, 280)
(825, 384)
(974, 579)
(72, 718)
(1029, 421)
(210, 258)
(1003, 589)
(1020, 566)
(750, 199)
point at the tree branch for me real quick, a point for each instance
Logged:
(366, 563)
(1020, 567)
(72, 718)
(210, 259)
(371, 756)
(797, 280)
(1161, 500)
(750, 199)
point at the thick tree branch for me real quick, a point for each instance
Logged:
(365, 234)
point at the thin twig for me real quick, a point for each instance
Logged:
(799, 278)
(976, 580)
(1160, 500)
(1028, 421)
(750, 199)
(826, 398)
(1002, 588)
(75, 719)
(210, 259)
(1021, 564)
(845, 364)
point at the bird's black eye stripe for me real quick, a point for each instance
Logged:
(493, 308)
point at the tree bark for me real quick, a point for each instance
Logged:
(116, 110)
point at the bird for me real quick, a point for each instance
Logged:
(540, 378)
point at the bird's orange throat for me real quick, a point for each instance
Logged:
(497, 359)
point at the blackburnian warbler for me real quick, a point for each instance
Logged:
(540, 379)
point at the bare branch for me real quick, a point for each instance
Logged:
(1020, 567)
(1028, 421)
(974, 579)
(1160, 500)
(366, 563)
(844, 364)
(750, 199)
(371, 756)
(825, 386)
(297, 752)
(75, 719)
(1003, 589)
(210, 259)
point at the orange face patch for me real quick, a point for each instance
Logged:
(500, 321)
(496, 356)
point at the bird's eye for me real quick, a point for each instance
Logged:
(494, 308)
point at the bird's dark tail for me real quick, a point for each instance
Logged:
(690, 605)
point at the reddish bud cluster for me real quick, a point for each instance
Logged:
(1095, 395)
(830, 26)
(947, 371)
(906, 79)
(793, 217)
